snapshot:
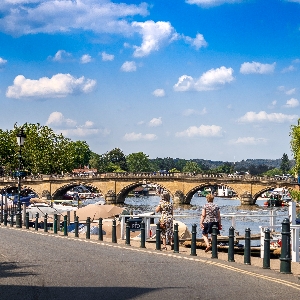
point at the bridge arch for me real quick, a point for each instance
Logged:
(15, 188)
(58, 193)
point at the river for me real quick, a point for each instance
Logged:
(227, 206)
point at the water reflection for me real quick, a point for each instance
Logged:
(227, 206)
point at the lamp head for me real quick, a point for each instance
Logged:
(21, 136)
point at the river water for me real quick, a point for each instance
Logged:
(227, 206)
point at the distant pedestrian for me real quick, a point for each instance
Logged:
(210, 216)
(165, 207)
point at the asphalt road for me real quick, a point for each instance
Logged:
(44, 266)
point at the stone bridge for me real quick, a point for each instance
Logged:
(116, 186)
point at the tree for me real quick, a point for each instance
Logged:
(192, 167)
(272, 172)
(43, 152)
(295, 145)
(285, 164)
(116, 157)
(138, 162)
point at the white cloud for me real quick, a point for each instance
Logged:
(107, 57)
(59, 85)
(291, 91)
(249, 141)
(197, 42)
(154, 36)
(49, 16)
(256, 67)
(2, 62)
(159, 93)
(211, 80)
(203, 130)
(139, 136)
(188, 112)
(86, 58)
(69, 127)
(155, 122)
(207, 3)
(262, 116)
(128, 66)
(292, 103)
(61, 55)
(290, 68)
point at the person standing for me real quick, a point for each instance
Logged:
(165, 207)
(210, 216)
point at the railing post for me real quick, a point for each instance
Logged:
(214, 242)
(231, 244)
(55, 224)
(100, 232)
(176, 239)
(157, 239)
(127, 234)
(45, 222)
(76, 226)
(36, 223)
(11, 219)
(193, 242)
(285, 256)
(247, 249)
(143, 235)
(266, 259)
(5, 218)
(114, 232)
(65, 225)
(88, 228)
(27, 220)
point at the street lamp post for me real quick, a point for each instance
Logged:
(21, 136)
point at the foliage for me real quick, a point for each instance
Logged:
(192, 167)
(116, 160)
(138, 162)
(295, 195)
(272, 172)
(43, 152)
(174, 170)
(226, 168)
(295, 145)
(285, 164)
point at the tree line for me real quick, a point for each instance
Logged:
(45, 152)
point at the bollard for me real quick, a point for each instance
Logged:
(231, 244)
(88, 228)
(55, 224)
(176, 239)
(266, 258)
(11, 220)
(27, 220)
(214, 242)
(5, 218)
(143, 235)
(285, 256)
(157, 239)
(114, 232)
(45, 222)
(193, 242)
(100, 233)
(76, 226)
(36, 223)
(65, 225)
(247, 249)
(127, 234)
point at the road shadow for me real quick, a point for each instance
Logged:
(11, 269)
(18, 292)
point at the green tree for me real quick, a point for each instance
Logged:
(116, 157)
(138, 162)
(272, 172)
(285, 164)
(295, 145)
(192, 167)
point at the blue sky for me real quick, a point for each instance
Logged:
(190, 79)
